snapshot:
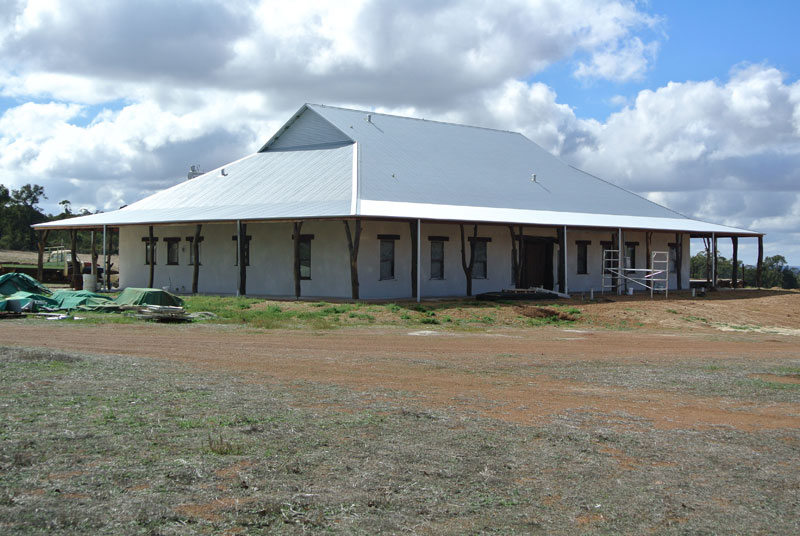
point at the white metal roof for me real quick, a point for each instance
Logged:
(331, 162)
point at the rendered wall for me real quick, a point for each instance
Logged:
(270, 272)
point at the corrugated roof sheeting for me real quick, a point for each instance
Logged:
(417, 161)
(272, 185)
(406, 168)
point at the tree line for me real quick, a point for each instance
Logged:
(775, 271)
(19, 210)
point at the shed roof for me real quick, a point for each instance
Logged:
(333, 162)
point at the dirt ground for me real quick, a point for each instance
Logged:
(501, 373)
(677, 416)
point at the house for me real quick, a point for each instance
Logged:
(346, 203)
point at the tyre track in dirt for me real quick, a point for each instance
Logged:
(493, 374)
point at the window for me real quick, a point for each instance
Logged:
(246, 250)
(305, 256)
(479, 266)
(630, 254)
(387, 256)
(437, 256)
(172, 250)
(149, 249)
(583, 256)
(190, 239)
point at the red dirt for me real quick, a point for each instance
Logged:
(492, 373)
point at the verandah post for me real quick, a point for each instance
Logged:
(241, 244)
(296, 240)
(152, 245)
(735, 262)
(468, 267)
(196, 258)
(352, 246)
(414, 261)
(41, 244)
(760, 262)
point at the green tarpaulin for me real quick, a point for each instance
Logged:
(22, 301)
(83, 299)
(147, 296)
(14, 282)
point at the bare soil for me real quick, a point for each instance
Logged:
(500, 373)
(666, 416)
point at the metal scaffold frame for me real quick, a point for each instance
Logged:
(655, 279)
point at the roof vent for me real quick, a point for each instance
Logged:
(369, 118)
(194, 171)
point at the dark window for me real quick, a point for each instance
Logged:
(479, 268)
(387, 258)
(305, 256)
(437, 259)
(583, 256)
(630, 255)
(190, 239)
(150, 249)
(172, 250)
(246, 250)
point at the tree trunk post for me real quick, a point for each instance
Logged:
(714, 260)
(521, 263)
(514, 257)
(108, 262)
(41, 244)
(352, 246)
(152, 256)
(679, 260)
(76, 271)
(468, 267)
(196, 256)
(562, 269)
(296, 239)
(94, 253)
(760, 262)
(413, 227)
(735, 262)
(241, 243)
(648, 241)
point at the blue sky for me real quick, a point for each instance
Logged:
(695, 105)
(697, 41)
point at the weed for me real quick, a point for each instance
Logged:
(223, 447)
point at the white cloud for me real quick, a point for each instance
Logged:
(123, 96)
(619, 62)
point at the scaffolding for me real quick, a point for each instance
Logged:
(654, 279)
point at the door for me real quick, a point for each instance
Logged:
(537, 264)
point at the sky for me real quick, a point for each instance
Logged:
(695, 105)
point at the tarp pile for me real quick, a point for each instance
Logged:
(21, 293)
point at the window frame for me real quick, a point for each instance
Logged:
(437, 241)
(305, 239)
(476, 261)
(387, 239)
(173, 247)
(630, 247)
(582, 257)
(150, 249)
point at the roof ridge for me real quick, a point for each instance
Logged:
(414, 118)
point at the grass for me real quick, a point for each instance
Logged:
(114, 445)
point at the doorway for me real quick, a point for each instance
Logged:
(537, 270)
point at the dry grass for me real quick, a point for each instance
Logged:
(117, 445)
